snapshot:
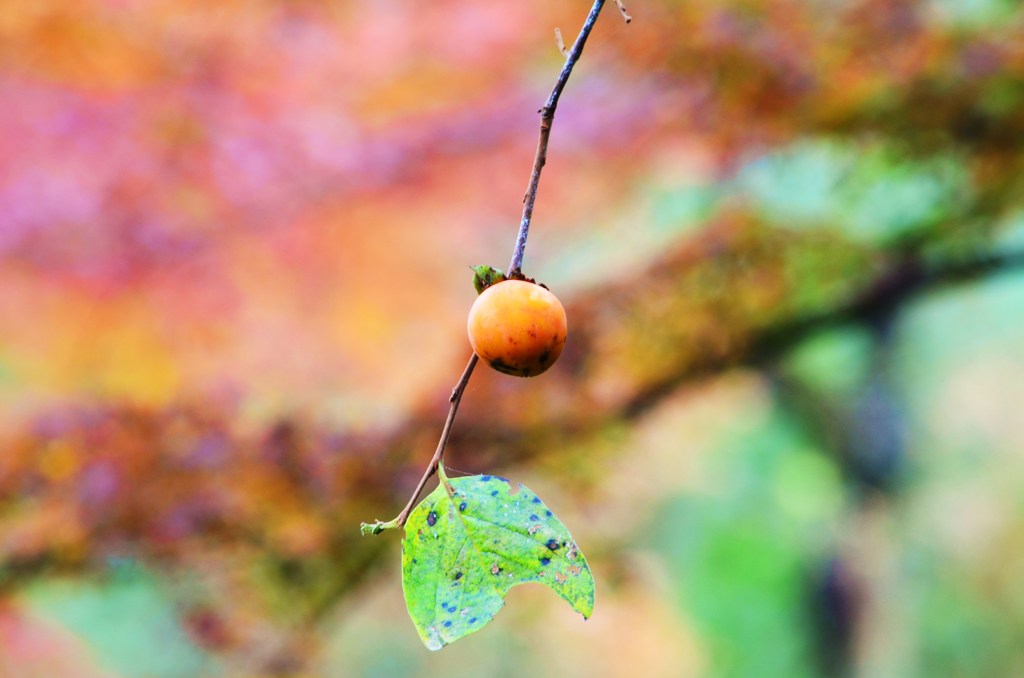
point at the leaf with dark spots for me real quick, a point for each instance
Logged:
(456, 576)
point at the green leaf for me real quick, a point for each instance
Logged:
(469, 542)
(485, 276)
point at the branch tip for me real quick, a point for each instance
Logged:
(378, 526)
(622, 10)
(561, 43)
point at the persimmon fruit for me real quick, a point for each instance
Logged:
(517, 327)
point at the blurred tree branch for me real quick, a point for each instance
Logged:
(905, 281)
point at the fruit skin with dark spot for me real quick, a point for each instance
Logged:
(518, 327)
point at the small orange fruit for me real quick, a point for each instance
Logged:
(518, 327)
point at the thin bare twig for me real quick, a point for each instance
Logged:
(622, 10)
(547, 115)
(455, 398)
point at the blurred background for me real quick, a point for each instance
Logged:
(235, 241)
